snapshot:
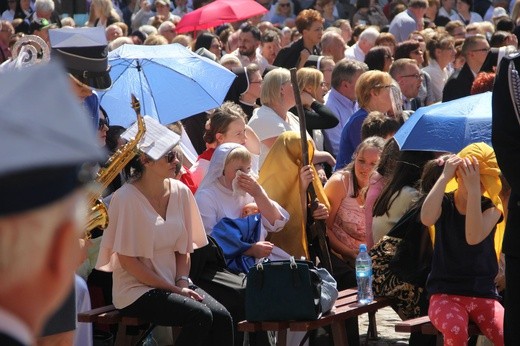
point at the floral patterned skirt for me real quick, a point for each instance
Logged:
(410, 300)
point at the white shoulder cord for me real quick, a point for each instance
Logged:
(514, 88)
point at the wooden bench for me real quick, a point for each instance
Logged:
(424, 326)
(346, 307)
(109, 315)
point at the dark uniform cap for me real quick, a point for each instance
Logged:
(45, 142)
(84, 53)
(313, 61)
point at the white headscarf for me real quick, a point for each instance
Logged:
(216, 165)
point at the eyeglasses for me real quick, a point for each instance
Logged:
(284, 5)
(103, 122)
(415, 75)
(171, 156)
(481, 50)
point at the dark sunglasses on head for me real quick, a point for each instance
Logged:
(103, 122)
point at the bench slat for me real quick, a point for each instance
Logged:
(91, 315)
(345, 297)
(411, 326)
(111, 317)
(340, 314)
(423, 325)
(429, 329)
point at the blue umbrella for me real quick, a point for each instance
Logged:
(170, 81)
(449, 126)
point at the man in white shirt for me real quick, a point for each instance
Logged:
(367, 40)
(249, 40)
(341, 99)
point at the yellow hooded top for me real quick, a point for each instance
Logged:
(490, 179)
(280, 177)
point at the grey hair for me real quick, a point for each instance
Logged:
(345, 70)
(44, 5)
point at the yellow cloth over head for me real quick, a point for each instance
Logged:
(490, 179)
(280, 178)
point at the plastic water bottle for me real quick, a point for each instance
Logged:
(364, 276)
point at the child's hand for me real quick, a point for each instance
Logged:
(450, 166)
(248, 183)
(470, 174)
(261, 249)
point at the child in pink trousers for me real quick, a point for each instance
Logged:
(464, 265)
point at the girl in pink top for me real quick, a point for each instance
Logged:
(346, 222)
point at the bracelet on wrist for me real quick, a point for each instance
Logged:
(182, 278)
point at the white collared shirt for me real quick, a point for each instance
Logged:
(354, 52)
(14, 327)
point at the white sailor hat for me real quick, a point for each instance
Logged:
(84, 53)
(45, 142)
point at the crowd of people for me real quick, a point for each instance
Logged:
(186, 224)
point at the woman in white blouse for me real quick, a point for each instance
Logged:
(154, 226)
(441, 48)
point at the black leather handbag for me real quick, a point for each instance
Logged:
(283, 291)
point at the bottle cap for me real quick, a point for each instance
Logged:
(362, 248)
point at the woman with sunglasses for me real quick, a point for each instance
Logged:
(103, 126)
(284, 9)
(154, 226)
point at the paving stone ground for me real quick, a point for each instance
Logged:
(386, 319)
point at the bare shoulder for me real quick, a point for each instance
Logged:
(337, 181)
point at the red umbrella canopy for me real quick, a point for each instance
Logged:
(219, 12)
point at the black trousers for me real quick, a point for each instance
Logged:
(512, 301)
(203, 323)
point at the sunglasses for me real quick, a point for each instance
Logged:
(171, 156)
(103, 122)
(284, 5)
